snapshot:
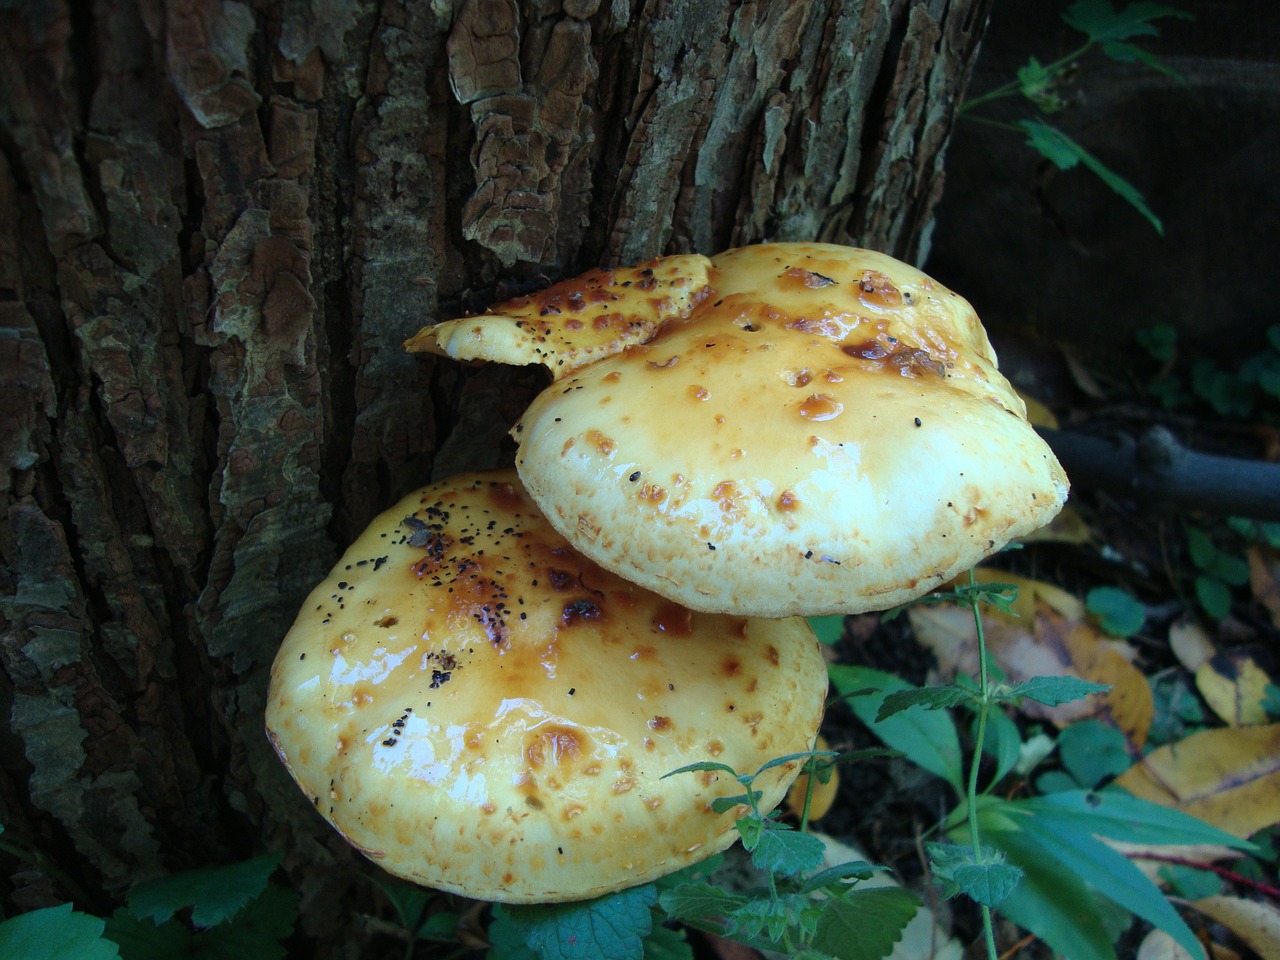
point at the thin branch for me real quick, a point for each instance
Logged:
(1156, 470)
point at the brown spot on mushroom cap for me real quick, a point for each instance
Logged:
(468, 724)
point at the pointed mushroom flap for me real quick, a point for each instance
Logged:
(575, 321)
(825, 433)
(479, 708)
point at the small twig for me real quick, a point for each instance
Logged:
(1263, 888)
(1025, 941)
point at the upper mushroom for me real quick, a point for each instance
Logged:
(823, 430)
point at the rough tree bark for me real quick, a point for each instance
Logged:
(219, 220)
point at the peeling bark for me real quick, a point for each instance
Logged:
(219, 221)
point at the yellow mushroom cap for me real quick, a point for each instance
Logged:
(825, 432)
(481, 709)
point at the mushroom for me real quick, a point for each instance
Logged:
(479, 708)
(824, 431)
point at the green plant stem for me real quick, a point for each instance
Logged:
(983, 705)
(1015, 86)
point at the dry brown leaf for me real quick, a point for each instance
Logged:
(1257, 924)
(1190, 644)
(1264, 579)
(1234, 686)
(1048, 636)
(1228, 777)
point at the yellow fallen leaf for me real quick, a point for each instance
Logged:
(1234, 686)
(1257, 924)
(1264, 579)
(1037, 413)
(824, 794)
(1158, 945)
(1030, 593)
(1191, 644)
(1229, 777)
(1067, 527)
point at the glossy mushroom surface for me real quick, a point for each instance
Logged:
(479, 708)
(826, 431)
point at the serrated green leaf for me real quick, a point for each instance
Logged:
(214, 893)
(1160, 340)
(987, 883)
(1128, 53)
(55, 933)
(864, 924)
(141, 939)
(927, 698)
(828, 630)
(690, 874)
(255, 933)
(782, 850)
(506, 940)
(701, 904)
(926, 737)
(1065, 153)
(985, 879)
(700, 766)
(664, 943)
(1051, 691)
(1036, 83)
(1118, 611)
(838, 877)
(612, 927)
(1100, 21)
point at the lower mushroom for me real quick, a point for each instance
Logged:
(481, 709)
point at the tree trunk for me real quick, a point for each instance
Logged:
(219, 220)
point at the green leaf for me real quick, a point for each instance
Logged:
(927, 698)
(55, 933)
(1118, 611)
(1160, 340)
(864, 924)
(442, 927)
(1051, 691)
(1115, 814)
(1077, 851)
(1050, 902)
(506, 939)
(141, 939)
(837, 878)
(612, 927)
(215, 893)
(1091, 751)
(1002, 742)
(702, 765)
(410, 902)
(254, 933)
(1036, 83)
(1214, 596)
(1065, 153)
(781, 850)
(701, 904)
(985, 879)
(1100, 22)
(927, 737)
(664, 943)
(1128, 53)
(828, 630)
